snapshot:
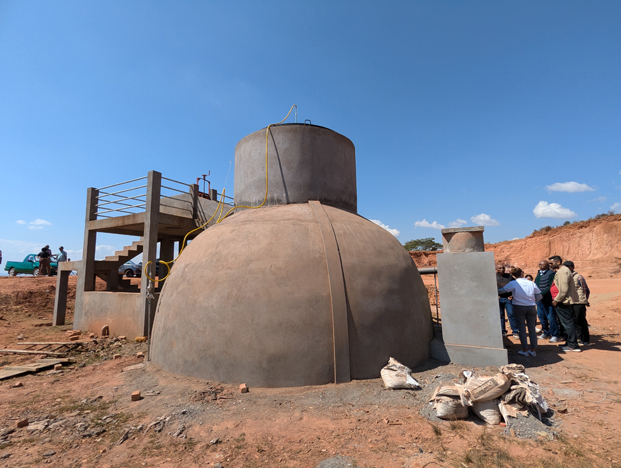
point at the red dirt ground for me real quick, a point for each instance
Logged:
(293, 427)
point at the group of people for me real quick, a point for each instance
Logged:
(558, 296)
(45, 258)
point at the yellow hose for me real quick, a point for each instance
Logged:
(182, 245)
(221, 205)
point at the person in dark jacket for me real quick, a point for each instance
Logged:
(504, 300)
(45, 260)
(545, 310)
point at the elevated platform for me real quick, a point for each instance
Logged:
(161, 215)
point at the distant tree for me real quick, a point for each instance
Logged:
(566, 223)
(428, 244)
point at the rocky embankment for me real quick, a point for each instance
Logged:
(593, 245)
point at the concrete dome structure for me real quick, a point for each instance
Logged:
(302, 292)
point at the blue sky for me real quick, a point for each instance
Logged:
(462, 112)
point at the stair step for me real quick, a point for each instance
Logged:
(130, 251)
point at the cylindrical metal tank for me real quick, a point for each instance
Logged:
(302, 292)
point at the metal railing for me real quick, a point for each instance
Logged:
(167, 192)
(129, 199)
(116, 204)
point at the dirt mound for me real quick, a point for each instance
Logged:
(424, 259)
(593, 245)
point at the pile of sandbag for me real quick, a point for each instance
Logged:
(491, 398)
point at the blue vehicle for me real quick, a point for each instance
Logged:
(29, 266)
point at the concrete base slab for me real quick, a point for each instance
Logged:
(475, 356)
(468, 355)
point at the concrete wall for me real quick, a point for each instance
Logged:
(181, 205)
(122, 312)
(470, 314)
(305, 162)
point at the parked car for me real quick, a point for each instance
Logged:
(130, 269)
(29, 266)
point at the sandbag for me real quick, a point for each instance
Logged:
(396, 375)
(447, 389)
(483, 388)
(450, 408)
(488, 411)
(524, 392)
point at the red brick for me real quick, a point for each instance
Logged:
(117, 356)
(140, 355)
(22, 423)
(136, 395)
(243, 388)
(58, 366)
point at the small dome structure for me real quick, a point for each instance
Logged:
(302, 291)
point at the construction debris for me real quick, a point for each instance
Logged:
(508, 393)
(7, 372)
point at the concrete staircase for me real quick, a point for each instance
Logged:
(113, 262)
(129, 252)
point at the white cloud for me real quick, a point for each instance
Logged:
(457, 223)
(36, 224)
(19, 247)
(394, 232)
(40, 222)
(600, 199)
(552, 210)
(484, 220)
(616, 207)
(570, 187)
(426, 224)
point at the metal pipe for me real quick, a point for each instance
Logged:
(120, 202)
(435, 285)
(121, 183)
(121, 209)
(106, 194)
(428, 271)
(176, 181)
(174, 189)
